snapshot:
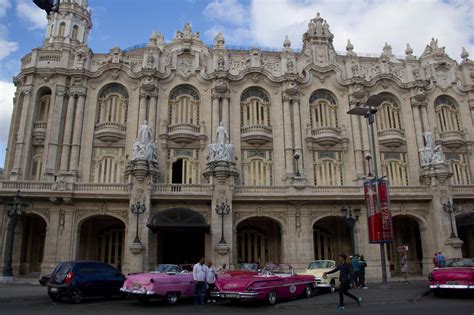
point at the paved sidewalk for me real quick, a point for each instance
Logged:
(398, 293)
(19, 290)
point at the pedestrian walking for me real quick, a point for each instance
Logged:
(200, 277)
(355, 271)
(435, 260)
(440, 259)
(344, 268)
(362, 265)
(404, 267)
(211, 280)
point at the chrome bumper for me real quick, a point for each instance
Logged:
(451, 286)
(137, 291)
(235, 295)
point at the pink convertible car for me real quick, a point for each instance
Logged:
(274, 282)
(458, 274)
(169, 282)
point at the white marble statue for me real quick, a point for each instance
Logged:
(143, 148)
(428, 154)
(222, 135)
(223, 149)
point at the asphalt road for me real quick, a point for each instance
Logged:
(428, 305)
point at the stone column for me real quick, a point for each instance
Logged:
(77, 136)
(288, 137)
(297, 132)
(142, 110)
(418, 125)
(17, 172)
(215, 116)
(358, 153)
(53, 137)
(424, 117)
(152, 115)
(66, 149)
(50, 242)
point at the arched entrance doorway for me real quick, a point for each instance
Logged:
(465, 225)
(102, 238)
(259, 239)
(32, 233)
(330, 238)
(180, 235)
(406, 231)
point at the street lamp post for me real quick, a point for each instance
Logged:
(351, 218)
(368, 111)
(296, 156)
(368, 157)
(450, 208)
(223, 209)
(15, 208)
(137, 209)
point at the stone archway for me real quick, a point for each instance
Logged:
(331, 236)
(259, 239)
(102, 238)
(465, 231)
(30, 236)
(407, 231)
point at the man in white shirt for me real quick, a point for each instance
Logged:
(200, 276)
(211, 280)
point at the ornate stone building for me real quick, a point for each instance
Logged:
(299, 157)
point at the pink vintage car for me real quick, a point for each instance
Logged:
(272, 283)
(458, 274)
(169, 282)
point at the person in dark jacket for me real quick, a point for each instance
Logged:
(345, 276)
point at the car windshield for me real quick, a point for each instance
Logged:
(281, 269)
(249, 267)
(459, 262)
(320, 264)
(167, 268)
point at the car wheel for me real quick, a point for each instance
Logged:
(308, 291)
(333, 286)
(143, 299)
(272, 297)
(76, 296)
(171, 298)
(55, 296)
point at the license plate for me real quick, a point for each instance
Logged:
(232, 295)
(53, 290)
(136, 286)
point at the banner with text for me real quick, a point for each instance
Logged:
(379, 218)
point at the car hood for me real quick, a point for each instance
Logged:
(145, 278)
(316, 272)
(458, 273)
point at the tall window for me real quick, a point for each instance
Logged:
(459, 167)
(43, 110)
(447, 114)
(323, 110)
(258, 167)
(37, 163)
(328, 168)
(388, 114)
(75, 32)
(184, 106)
(108, 165)
(183, 166)
(62, 29)
(113, 105)
(395, 167)
(255, 108)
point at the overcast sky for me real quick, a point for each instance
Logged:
(263, 23)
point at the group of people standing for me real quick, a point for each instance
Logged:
(358, 264)
(204, 276)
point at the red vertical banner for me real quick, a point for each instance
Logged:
(379, 218)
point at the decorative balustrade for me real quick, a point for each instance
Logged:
(256, 134)
(182, 188)
(183, 127)
(26, 185)
(93, 187)
(253, 128)
(391, 138)
(452, 139)
(110, 131)
(110, 124)
(49, 58)
(183, 132)
(263, 190)
(463, 189)
(337, 189)
(324, 136)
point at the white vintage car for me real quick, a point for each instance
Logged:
(318, 268)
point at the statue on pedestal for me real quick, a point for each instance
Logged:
(428, 154)
(223, 149)
(143, 148)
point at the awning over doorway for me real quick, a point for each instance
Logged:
(178, 219)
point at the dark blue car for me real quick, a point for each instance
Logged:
(78, 279)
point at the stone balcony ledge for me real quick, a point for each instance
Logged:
(324, 136)
(392, 138)
(39, 131)
(110, 131)
(451, 139)
(256, 134)
(183, 132)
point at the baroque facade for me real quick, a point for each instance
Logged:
(299, 157)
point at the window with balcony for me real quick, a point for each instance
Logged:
(37, 163)
(184, 106)
(113, 105)
(183, 166)
(328, 168)
(75, 32)
(257, 168)
(447, 114)
(62, 29)
(43, 110)
(255, 108)
(458, 165)
(395, 167)
(388, 115)
(323, 110)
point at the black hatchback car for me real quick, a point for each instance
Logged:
(78, 279)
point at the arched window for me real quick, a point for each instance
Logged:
(37, 163)
(113, 105)
(75, 32)
(388, 114)
(328, 168)
(459, 167)
(323, 109)
(43, 110)
(62, 29)
(108, 165)
(255, 108)
(258, 168)
(395, 167)
(184, 106)
(447, 114)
